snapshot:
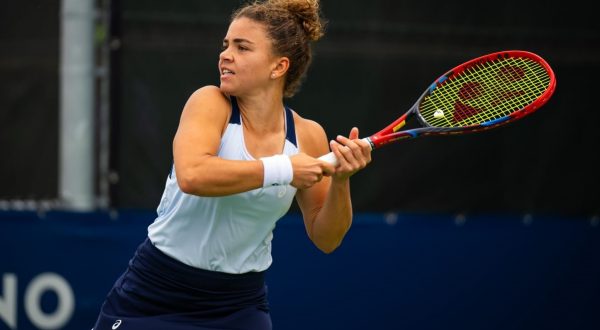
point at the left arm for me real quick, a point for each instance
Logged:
(326, 206)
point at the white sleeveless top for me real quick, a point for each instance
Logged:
(230, 234)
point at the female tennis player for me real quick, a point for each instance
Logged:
(240, 157)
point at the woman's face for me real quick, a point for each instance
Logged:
(247, 60)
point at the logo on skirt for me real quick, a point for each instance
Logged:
(117, 324)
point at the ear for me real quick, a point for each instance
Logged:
(280, 68)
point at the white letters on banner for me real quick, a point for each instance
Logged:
(33, 295)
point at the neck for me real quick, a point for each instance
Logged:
(262, 112)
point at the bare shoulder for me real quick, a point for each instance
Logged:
(311, 135)
(209, 98)
(209, 90)
(208, 103)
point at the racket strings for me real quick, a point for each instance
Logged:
(498, 81)
(476, 87)
(485, 92)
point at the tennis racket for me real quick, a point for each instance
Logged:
(483, 93)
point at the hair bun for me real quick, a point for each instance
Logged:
(307, 12)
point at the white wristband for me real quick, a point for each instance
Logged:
(277, 170)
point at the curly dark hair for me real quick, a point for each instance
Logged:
(292, 26)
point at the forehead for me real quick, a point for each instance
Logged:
(246, 29)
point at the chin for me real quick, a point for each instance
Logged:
(225, 89)
(229, 90)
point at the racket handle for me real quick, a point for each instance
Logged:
(331, 159)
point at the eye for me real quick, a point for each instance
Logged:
(242, 48)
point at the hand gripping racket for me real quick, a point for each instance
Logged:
(481, 94)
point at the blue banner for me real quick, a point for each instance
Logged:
(393, 271)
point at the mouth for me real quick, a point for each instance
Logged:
(226, 72)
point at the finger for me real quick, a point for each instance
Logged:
(319, 177)
(347, 142)
(363, 145)
(335, 148)
(353, 133)
(327, 169)
(365, 148)
(350, 155)
(347, 147)
(353, 146)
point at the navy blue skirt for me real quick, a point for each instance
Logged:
(159, 292)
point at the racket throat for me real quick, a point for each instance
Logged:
(399, 126)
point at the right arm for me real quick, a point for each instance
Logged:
(199, 170)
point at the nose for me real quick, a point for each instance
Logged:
(225, 55)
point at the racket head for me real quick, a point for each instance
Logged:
(487, 91)
(480, 94)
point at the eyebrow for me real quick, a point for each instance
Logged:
(239, 41)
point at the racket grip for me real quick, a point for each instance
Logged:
(331, 159)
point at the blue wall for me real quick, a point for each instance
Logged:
(392, 272)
